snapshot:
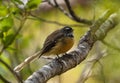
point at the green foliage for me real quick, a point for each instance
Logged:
(18, 1)
(3, 10)
(31, 4)
(35, 31)
(8, 40)
(1, 34)
(6, 23)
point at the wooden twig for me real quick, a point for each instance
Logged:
(71, 14)
(34, 17)
(11, 70)
(74, 16)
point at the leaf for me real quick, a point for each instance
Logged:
(33, 4)
(6, 23)
(8, 40)
(1, 34)
(18, 1)
(3, 10)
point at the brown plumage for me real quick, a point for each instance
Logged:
(58, 42)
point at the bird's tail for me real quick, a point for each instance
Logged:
(27, 61)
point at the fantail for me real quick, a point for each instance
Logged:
(58, 42)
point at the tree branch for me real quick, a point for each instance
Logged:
(74, 16)
(71, 14)
(59, 7)
(72, 59)
(68, 61)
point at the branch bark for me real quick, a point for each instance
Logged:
(62, 64)
(72, 59)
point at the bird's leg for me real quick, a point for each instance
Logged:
(58, 56)
(59, 60)
(65, 54)
(49, 58)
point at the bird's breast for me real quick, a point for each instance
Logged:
(62, 46)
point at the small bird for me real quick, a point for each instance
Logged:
(58, 42)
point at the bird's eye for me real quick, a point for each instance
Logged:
(68, 29)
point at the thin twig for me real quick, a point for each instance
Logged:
(74, 16)
(55, 22)
(11, 70)
(4, 80)
(86, 73)
(59, 7)
(111, 46)
(102, 71)
(1, 51)
(15, 35)
(69, 14)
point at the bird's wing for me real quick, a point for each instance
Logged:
(51, 41)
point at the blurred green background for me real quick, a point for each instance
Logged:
(15, 47)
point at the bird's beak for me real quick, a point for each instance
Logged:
(70, 34)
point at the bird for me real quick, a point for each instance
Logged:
(58, 42)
